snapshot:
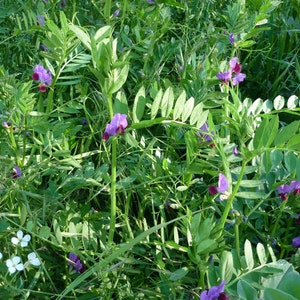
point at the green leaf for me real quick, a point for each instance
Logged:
(57, 231)
(261, 253)
(290, 283)
(102, 33)
(278, 102)
(44, 232)
(167, 102)
(276, 157)
(179, 274)
(156, 104)
(251, 195)
(83, 36)
(196, 114)
(292, 102)
(274, 294)
(251, 183)
(266, 132)
(294, 142)
(246, 291)
(226, 266)
(286, 133)
(248, 255)
(206, 246)
(179, 105)
(187, 109)
(118, 77)
(139, 105)
(290, 161)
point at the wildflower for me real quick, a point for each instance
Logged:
(21, 238)
(14, 264)
(44, 48)
(42, 75)
(222, 185)
(63, 3)
(296, 242)
(116, 13)
(231, 38)
(116, 126)
(40, 20)
(214, 293)
(150, 1)
(285, 189)
(7, 125)
(235, 151)
(76, 263)
(84, 122)
(33, 259)
(235, 68)
(206, 137)
(16, 172)
(225, 76)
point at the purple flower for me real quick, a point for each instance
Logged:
(76, 263)
(16, 172)
(40, 20)
(204, 136)
(42, 75)
(116, 126)
(222, 185)
(45, 1)
(235, 151)
(116, 13)
(150, 1)
(224, 76)
(214, 292)
(6, 124)
(231, 38)
(285, 189)
(235, 68)
(44, 48)
(63, 3)
(296, 242)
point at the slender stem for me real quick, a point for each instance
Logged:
(282, 206)
(113, 202)
(230, 200)
(237, 238)
(107, 9)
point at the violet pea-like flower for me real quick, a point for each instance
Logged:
(117, 125)
(76, 263)
(296, 242)
(214, 293)
(222, 186)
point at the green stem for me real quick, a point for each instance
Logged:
(237, 239)
(282, 206)
(107, 9)
(230, 200)
(113, 202)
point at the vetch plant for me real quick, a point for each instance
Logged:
(215, 293)
(42, 75)
(75, 262)
(116, 126)
(234, 74)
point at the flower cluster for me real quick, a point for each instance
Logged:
(285, 189)
(117, 125)
(233, 74)
(15, 263)
(215, 293)
(42, 75)
(75, 262)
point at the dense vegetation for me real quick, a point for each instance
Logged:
(150, 149)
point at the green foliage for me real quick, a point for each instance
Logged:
(136, 209)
